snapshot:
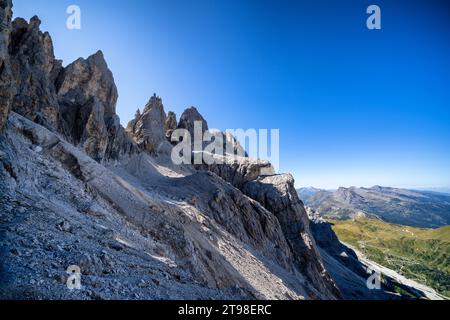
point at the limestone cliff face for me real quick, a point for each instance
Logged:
(191, 116)
(6, 89)
(78, 101)
(171, 124)
(276, 193)
(95, 134)
(35, 69)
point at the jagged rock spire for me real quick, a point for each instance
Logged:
(132, 123)
(188, 119)
(87, 78)
(149, 128)
(35, 68)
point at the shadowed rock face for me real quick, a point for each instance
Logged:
(95, 134)
(35, 69)
(6, 87)
(87, 78)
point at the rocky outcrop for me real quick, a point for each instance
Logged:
(149, 128)
(35, 70)
(6, 88)
(188, 119)
(239, 170)
(131, 127)
(87, 98)
(171, 124)
(230, 146)
(182, 238)
(399, 206)
(87, 78)
(119, 142)
(278, 195)
(233, 147)
(78, 101)
(95, 134)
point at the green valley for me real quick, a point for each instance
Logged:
(417, 253)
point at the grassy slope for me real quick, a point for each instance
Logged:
(419, 254)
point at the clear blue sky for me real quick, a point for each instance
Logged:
(354, 107)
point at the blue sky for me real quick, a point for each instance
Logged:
(354, 106)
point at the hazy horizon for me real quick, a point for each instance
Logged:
(443, 189)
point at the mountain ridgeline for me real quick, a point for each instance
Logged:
(401, 206)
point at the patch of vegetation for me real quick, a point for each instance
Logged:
(417, 253)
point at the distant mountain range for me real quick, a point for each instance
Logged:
(408, 207)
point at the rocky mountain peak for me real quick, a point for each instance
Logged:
(188, 118)
(35, 22)
(137, 115)
(149, 128)
(348, 195)
(65, 125)
(87, 78)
